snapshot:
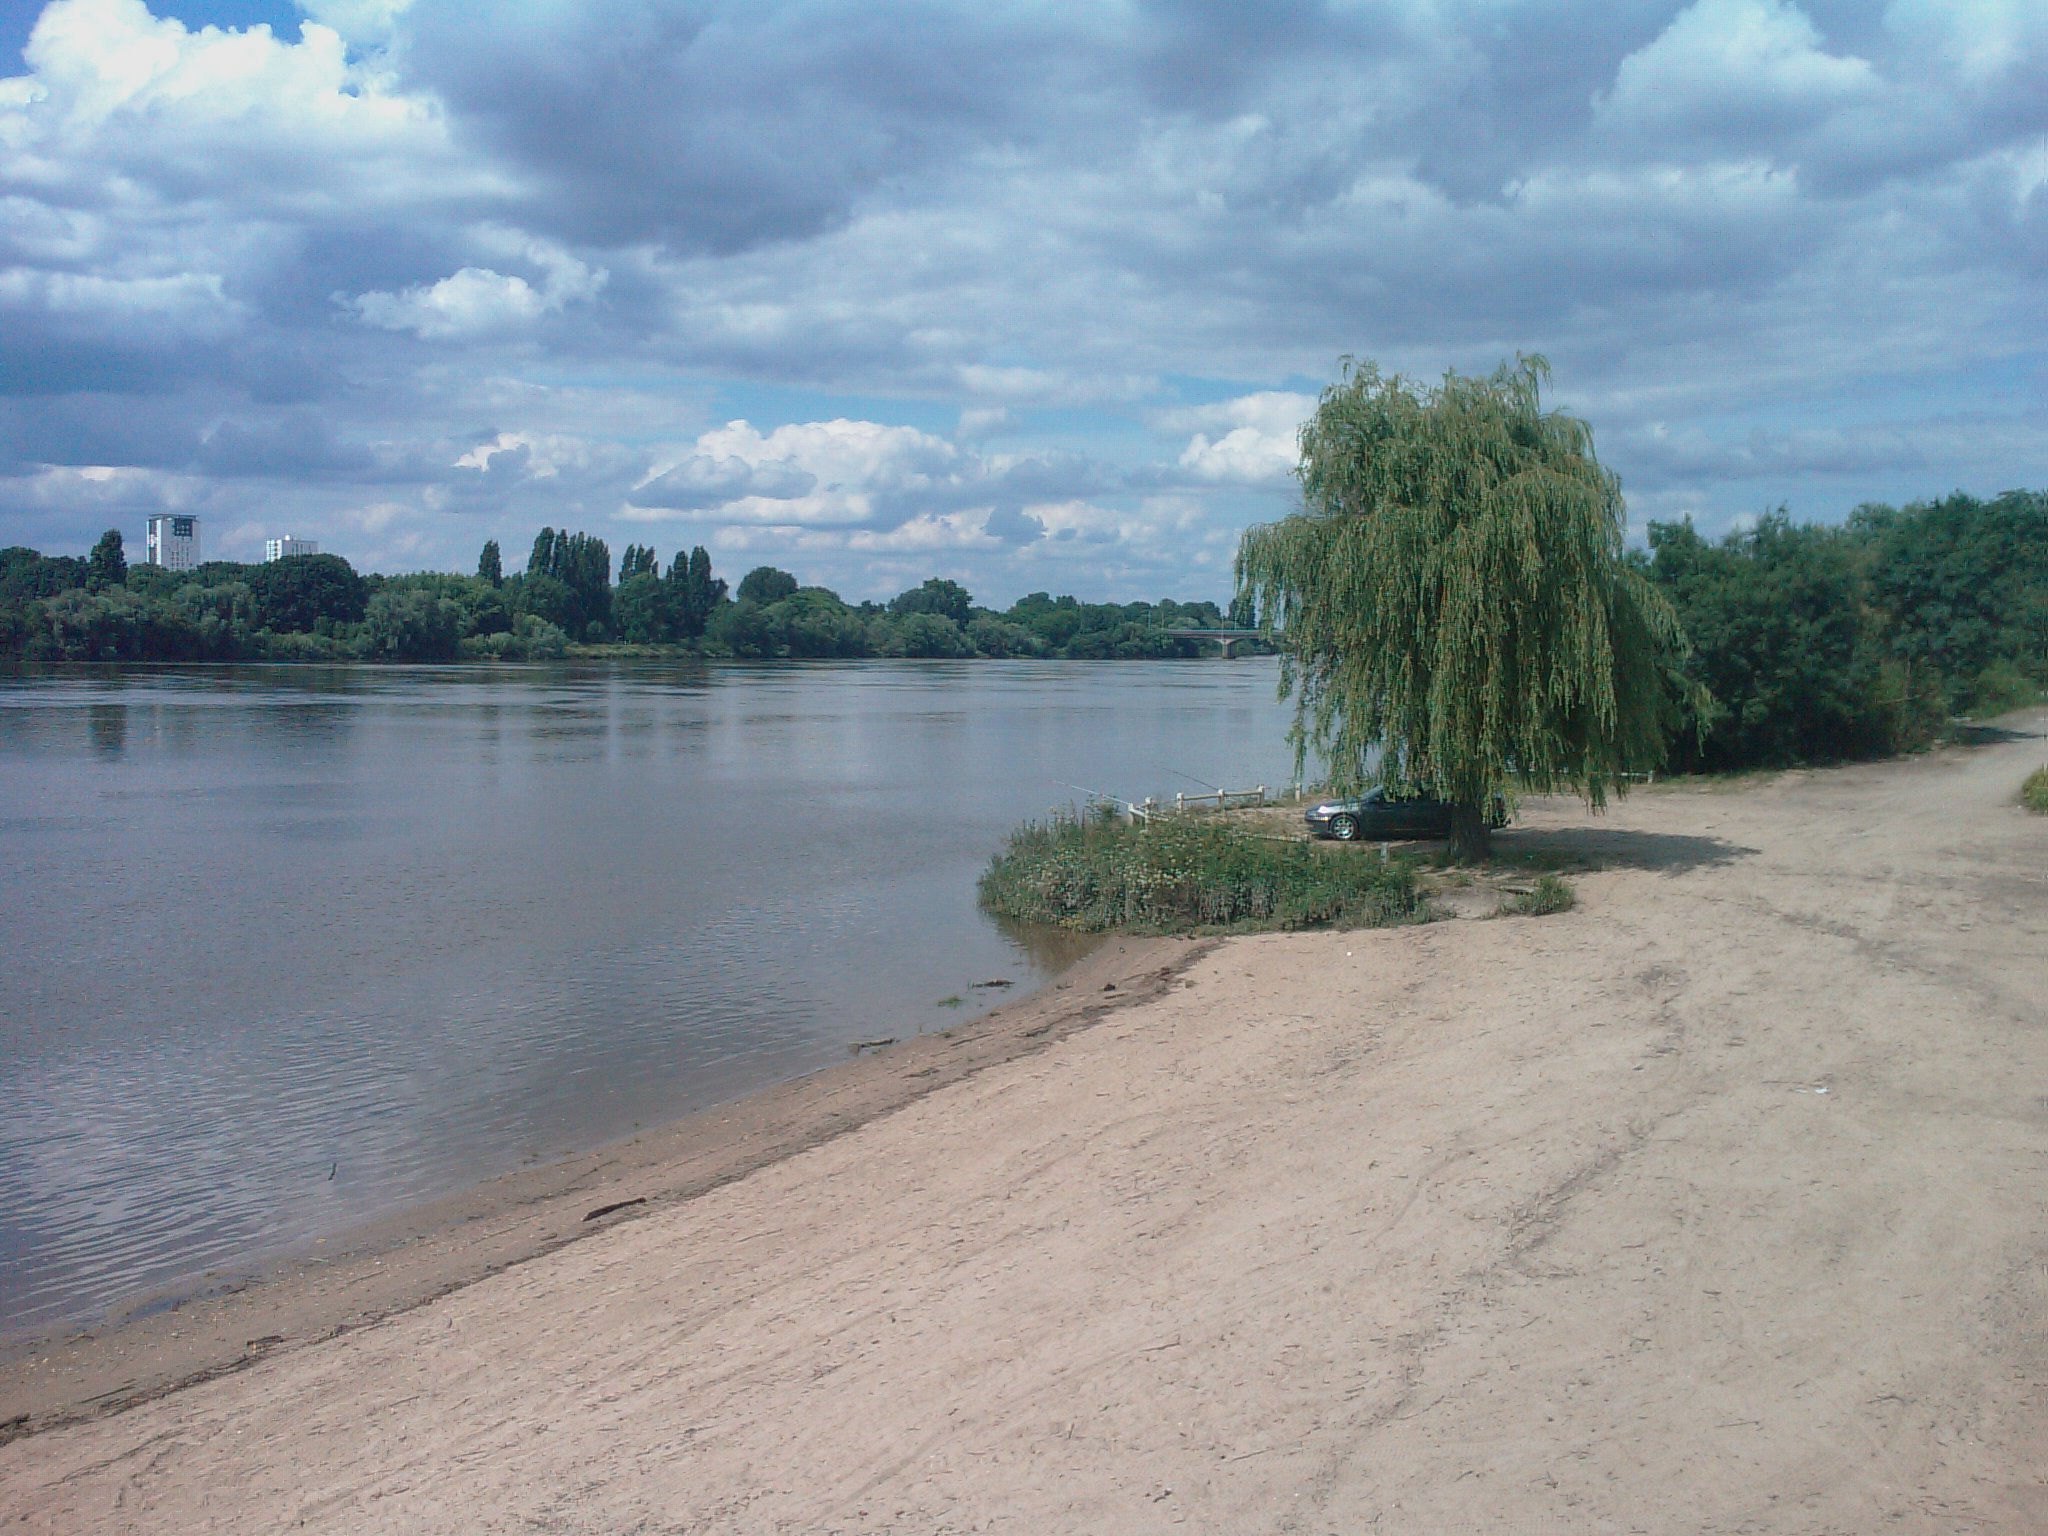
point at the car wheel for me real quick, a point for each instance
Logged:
(1344, 828)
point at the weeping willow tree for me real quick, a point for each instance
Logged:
(1457, 616)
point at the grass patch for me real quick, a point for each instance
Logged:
(2034, 792)
(1186, 874)
(1549, 894)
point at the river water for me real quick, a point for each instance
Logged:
(282, 948)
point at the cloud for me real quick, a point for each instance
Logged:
(477, 301)
(1740, 70)
(1046, 288)
(706, 480)
(1256, 441)
(851, 474)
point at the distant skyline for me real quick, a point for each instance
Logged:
(1028, 296)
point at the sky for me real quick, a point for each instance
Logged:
(1030, 296)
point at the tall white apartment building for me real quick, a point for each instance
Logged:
(278, 549)
(173, 542)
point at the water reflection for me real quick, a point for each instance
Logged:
(107, 727)
(415, 926)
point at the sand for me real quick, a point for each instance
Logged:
(1714, 1205)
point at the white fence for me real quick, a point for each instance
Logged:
(1180, 805)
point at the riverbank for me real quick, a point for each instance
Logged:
(1713, 1204)
(379, 1269)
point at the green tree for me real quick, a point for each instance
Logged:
(1782, 641)
(411, 624)
(1458, 614)
(642, 610)
(694, 593)
(581, 562)
(948, 599)
(107, 565)
(745, 629)
(764, 584)
(638, 560)
(490, 565)
(1963, 587)
(294, 594)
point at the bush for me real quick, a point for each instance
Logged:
(407, 625)
(1099, 873)
(1548, 895)
(919, 634)
(2034, 792)
(2000, 687)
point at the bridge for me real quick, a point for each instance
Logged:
(1227, 638)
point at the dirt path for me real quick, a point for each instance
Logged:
(1716, 1205)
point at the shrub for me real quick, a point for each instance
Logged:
(1548, 895)
(2034, 792)
(1095, 873)
(2000, 687)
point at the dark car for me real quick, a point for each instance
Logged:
(1381, 817)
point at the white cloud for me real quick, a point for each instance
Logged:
(819, 473)
(479, 302)
(927, 534)
(1256, 442)
(1746, 65)
(129, 106)
(1982, 39)
(619, 225)
(190, 304)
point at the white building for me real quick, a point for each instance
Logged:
(173, 542)
(278, 549)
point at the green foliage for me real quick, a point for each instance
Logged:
(107, 565)
(813, 622)
(1780, 641)
(764, 585)
(1549, 894)
(2034, 792)
(490, 565)
(1095, 873)
(299, 591)
(1069, 628)
(1454, 598)
(691, 595)
(641, 610)
(582, 564)
(2002, 687)
(1819, 644)
(638, 560)
(919, 634)
(993, 636)
(26, 575)
(411, 624)
(947, 599)
(1962, 586)
(529, 639)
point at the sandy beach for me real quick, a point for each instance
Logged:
(1713, 1205)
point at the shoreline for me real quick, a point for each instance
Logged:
(176, 1337)
(1706, 1205)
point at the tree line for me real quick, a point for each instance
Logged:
(319, 608)
(1464, 620)
(1812, 643)
(1804, 642)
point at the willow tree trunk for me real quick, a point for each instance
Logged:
(1470, 839)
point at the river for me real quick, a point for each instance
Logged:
(284, 948)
